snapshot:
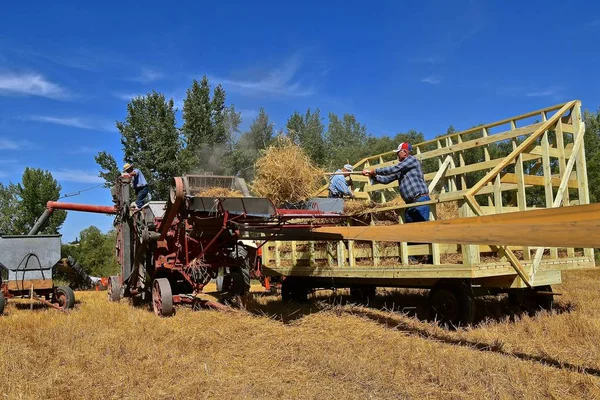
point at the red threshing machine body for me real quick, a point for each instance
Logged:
(171, 250)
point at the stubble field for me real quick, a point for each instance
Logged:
(327, 348)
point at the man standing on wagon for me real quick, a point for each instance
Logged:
(411, 182)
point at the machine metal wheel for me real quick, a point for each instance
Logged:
(452, 305)
(220, 283)
(239, 282)
(65, 297)
(114, 289)
(530, 300)
(162, 298)
(2, 302)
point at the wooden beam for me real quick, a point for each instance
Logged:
(502, 250)
(533, 180)
(471, 144)
(559, 195)
(440, 174)
(522, 147)
(521, 196)
(575, 226)
(548, 179)
(501, 122)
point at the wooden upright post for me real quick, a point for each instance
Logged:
(547, 170)
(470, 252)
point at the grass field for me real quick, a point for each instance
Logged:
(328, 348)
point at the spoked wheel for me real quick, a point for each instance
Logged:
(64, 297)
(114, 289)
(162, 298)
(452, 305)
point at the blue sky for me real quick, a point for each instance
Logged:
(68, 69)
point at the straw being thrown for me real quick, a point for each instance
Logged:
(285, 173)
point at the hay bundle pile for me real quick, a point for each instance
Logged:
(285, 173)
(219, 192)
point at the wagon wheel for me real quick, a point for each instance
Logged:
(294, 289)
(114, 289)
(162, 298)
(530, 301)
(364, 293)
(452, 305)
(64, 297)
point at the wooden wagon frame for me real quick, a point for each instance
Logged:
(544, 166)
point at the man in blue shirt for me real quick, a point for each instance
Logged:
(411, 182)
(139, 184)
(338, 186)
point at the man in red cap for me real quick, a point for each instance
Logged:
(411, 182)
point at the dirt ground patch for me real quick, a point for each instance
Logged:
(327, 348)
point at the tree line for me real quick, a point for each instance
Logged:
(209, 140)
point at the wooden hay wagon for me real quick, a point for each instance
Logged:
(531, 161)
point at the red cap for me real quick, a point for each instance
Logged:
(404, 146)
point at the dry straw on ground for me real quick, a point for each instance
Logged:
(326, 348)
(285, 174)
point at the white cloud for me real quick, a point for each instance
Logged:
(278, 81)
(148, 75)
(10, 144)
(248, 114)
(432, 79)
(426, 60)
(76, 122)
(30, 84)
(592, 24)
(542, 93)
(126, 96)
(69, 175)
(82, 150)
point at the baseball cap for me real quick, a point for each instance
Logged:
(348, 167)
(404, 146)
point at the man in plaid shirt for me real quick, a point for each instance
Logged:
(411, 182)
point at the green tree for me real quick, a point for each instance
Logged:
(9, 205)
(37, 187)
(94, 252)
(150, 141)
(377, 145)
(346, 140)
(207, 128)
(308, 132)
(592, 152)
(110, 171)
(248, 147)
